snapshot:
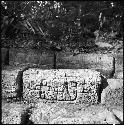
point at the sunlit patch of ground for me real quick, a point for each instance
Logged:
(114, 99)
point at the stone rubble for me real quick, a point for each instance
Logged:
(54, 113)
(115, 83)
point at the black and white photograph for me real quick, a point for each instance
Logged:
(62, 62)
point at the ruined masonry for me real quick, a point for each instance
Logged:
(8, 82)
(75, 85)
(62, 85)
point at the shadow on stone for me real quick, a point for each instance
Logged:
(118, 119)
(25, 117)
(102, 86)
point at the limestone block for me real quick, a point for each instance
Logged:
(3, 54)
(111, 119)
(118, 113)
(9, 83)
(24, 55)
(11, 113)
(119, 66)
(102, 115)
(115, 83)
(62, 84)
(107, 116)
(101, 62)
(32, 57)
(40, 113)
(103, 94)
(20, 57)
(119, 75)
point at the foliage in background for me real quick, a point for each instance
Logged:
(70, 24)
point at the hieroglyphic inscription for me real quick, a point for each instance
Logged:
(62, 85)
(59, 91)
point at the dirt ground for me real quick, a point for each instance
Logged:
(114, 100)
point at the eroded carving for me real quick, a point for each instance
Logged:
(66, 85)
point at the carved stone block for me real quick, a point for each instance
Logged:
(77, 85)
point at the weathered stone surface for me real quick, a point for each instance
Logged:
(80, 86)
(54, 113)
(119, 75)
(22, 55)
(5, 56)
(118, 66)
(110, 118)
(9, 83)
(86, 118)
(100, 62)
(20, 58)
(115, 83)
(75, 120)
(44, 113)
(60, 120)
(11, 113)
(118, 113)
(39, 115)
(62, 85)
(102, 115)
(103, 94)
(107, 116)
(3, 51)
(114, 97)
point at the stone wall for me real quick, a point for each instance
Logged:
(5, 56)
(100, 62)
(64, 85)
(119, 66)
(32, 56)
(79, 85)
(8, 82)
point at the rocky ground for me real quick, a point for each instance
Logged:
(55, 113)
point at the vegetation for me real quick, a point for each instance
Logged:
(71, 24)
